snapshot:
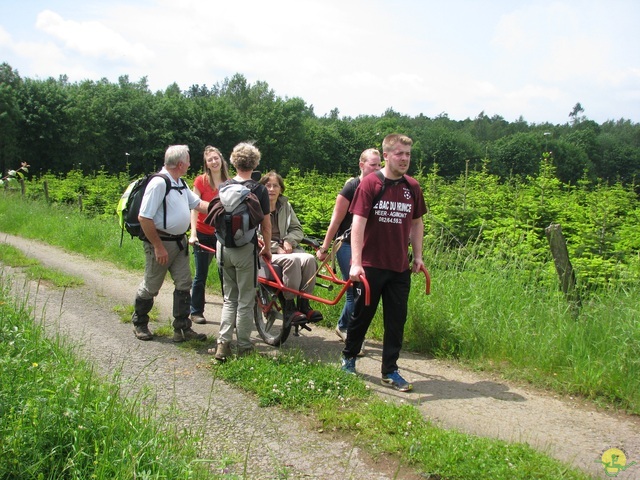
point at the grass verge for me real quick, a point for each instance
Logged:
(341, 402)
(14, 257)
(58, 419)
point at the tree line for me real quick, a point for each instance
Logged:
(91, 126)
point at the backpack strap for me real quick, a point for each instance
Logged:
(168, 189)
(167, 183)
(378, 196)
(251, 184)
(384, 181)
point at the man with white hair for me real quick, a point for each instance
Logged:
(165, 218)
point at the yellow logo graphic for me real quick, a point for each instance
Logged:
(614, 461)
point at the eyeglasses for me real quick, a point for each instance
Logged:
(272, 185)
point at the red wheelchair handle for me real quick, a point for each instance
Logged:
(427, 278)
(204, 247)
(367, 293)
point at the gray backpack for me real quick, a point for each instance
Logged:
(235, 213)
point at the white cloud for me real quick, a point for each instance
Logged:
(44, 58)
(512, 35)
(91, 38)
(5, 37)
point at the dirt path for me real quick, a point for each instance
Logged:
(268, 442)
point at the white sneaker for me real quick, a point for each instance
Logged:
(342, 334)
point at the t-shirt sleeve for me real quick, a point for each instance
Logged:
(194, 200)
(153, 196)
(263, 195)
(349, 190)
(363, 196)
(420, 205)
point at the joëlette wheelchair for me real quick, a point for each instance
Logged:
(270, 323)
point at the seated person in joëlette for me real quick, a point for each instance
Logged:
(298, 267)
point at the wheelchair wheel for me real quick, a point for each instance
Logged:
(269, 317)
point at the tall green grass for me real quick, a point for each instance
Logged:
(505, 317)
(60, 420)
(492, 313)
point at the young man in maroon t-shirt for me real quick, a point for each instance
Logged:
(380, 238)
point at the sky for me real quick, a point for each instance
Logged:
(534, 59)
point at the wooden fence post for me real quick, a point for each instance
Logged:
(45, 184)
(561, 260)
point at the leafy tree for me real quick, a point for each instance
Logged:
(198, 91)
(451, 150)
(217, 125)
(275, 124)
(485, 129)
(92, 126)
(571, 161)
(516, 154)
(616, 160)
(10, 116)
(45, 126)
(109, 122)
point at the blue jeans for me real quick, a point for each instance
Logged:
(344, 262)
(202, 260)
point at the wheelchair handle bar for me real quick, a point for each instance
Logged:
(363, 280)
(427, 279)
(204, 247)
(276, 282)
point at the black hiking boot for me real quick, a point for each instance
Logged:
(291, 315)
(142, 332)
(184, 334)
(313, 316)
